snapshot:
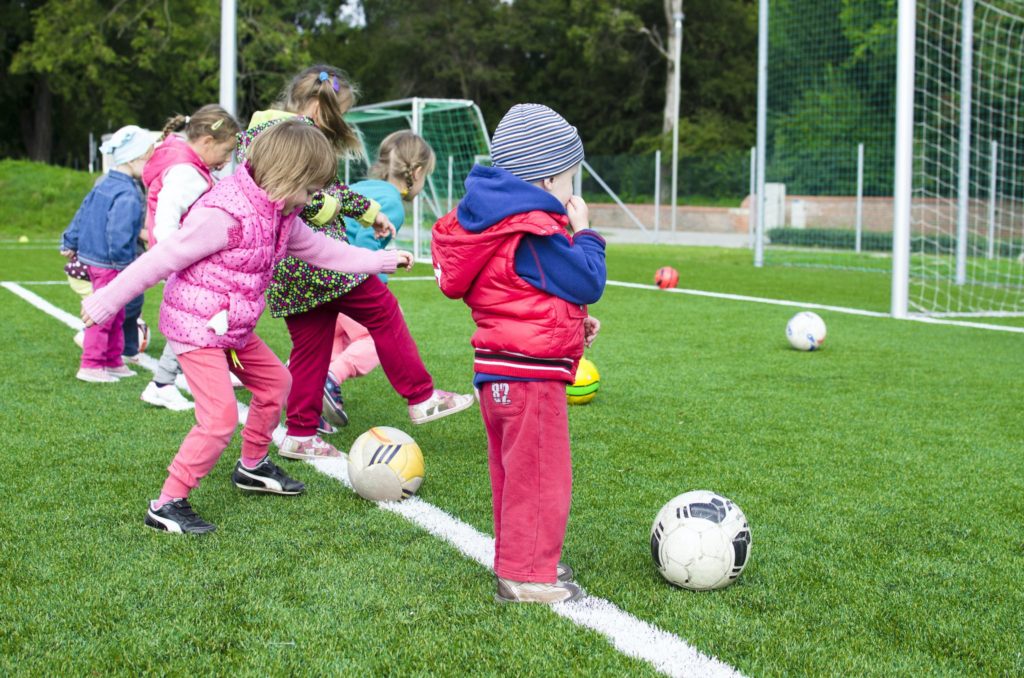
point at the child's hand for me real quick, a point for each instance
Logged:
(591, 326)
(383, 228)
(67, 253)
(86, 318)
(579, 213)
(405, 259)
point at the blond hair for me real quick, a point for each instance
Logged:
(335, 94)
(209, 121)
(401, 154)
(289, 157)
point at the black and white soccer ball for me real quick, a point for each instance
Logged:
(700, 541)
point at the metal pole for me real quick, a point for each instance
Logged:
(417, 125)
(228, 58)
(678, 18)
(577, 181)
(964, 184)
(860, 194)
(762, 126)
(752, 211)
(451, 174)
(992, 182)
(657, 192)
(92, 153)
(903, 183)
(347, 162)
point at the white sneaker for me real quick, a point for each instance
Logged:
(120, 372)
(440, 404)
(181, 383)
(314, 448)
(166, 396)
(96, 375)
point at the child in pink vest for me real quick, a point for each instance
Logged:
(217, 267)
(176, 176)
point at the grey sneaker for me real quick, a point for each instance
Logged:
(565, 572)
(535, 592)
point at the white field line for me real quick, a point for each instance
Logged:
(633, 637)
(931, 320)
(823, 307)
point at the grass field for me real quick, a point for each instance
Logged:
(882, 478)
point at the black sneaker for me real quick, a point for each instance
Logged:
(177, 516)
(266, 477)
(334, 404)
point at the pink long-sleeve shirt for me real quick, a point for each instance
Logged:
(206, 232)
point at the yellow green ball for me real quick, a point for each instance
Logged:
(586, 385)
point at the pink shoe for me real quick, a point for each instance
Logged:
(96, 375)
(440, 404)
(314, 448)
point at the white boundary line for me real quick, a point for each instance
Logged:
(823, 307)
(631, 636)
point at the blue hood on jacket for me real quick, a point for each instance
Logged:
(492, 194)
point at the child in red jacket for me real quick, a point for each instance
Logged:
(519, 252)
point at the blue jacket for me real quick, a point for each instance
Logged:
(390, 204)
(574, 271)
(106, 226)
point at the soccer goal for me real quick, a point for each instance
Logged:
(454, 128)
(965, 248)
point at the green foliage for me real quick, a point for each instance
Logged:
(872, 241)
(39, 200)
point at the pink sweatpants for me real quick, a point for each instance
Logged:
(206, 370)
(103, 342)
(531, 475)
(353, 354)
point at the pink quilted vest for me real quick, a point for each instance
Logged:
(234, 278)
(172, 151)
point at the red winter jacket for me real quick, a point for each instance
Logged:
(521, 330)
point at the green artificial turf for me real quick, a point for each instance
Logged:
(881, 477)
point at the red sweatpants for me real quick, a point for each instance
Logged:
(372, 305)
(531, 475)
(206, 370)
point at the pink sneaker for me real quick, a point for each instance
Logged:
(314, 448)
(440, 404)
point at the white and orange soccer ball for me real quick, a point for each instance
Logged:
(385, 464)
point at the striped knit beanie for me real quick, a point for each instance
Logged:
(533, 143)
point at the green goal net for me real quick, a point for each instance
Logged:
(454, 128)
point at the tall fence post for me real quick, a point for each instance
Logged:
(678, 18)
(860, 195)
(752, 210)
(451, 176)
(346, 171)
(762, 125)
(992, 197)
(657, 192)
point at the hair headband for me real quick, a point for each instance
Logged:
(334, 81)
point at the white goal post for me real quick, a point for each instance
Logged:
(958, 240)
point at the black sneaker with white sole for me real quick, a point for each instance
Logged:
(177, 516)
(266, 477)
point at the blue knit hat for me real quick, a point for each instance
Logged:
(533, 143)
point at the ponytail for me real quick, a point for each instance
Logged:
(334, 94)
(210, 120)
(401, 154)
